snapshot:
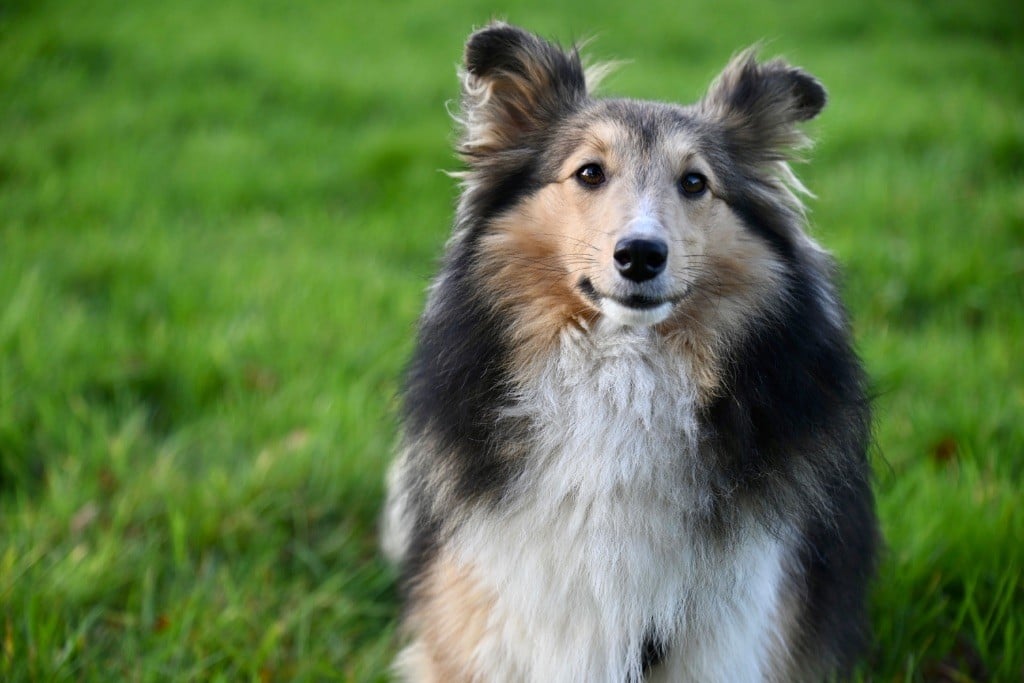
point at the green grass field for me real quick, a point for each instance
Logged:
(217, 221)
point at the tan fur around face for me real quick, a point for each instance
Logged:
(450, 618)
(739, 280)
(535, 256)
(528, 267)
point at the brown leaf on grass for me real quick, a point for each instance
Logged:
(84, 518)
(260, 379)
(109, 483)
(8, 640)
(963, 664)
(944, 451)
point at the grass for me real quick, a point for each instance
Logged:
(216, 224)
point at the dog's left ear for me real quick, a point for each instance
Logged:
(514, 85)
(760, 104)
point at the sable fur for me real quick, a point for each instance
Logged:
(591, 491)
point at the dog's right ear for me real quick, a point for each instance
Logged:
(514, 85)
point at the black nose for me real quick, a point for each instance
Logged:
(640, 259)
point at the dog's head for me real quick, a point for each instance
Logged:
(640, 212)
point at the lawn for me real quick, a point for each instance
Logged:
(217, 221)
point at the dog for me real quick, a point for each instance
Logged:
(634, 429)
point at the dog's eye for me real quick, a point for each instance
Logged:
(591, 175)
(693, 184)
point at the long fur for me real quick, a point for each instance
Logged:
(604, 479)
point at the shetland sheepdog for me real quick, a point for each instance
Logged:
(634, 429)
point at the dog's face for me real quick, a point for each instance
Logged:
(641, 212)
(634, 213)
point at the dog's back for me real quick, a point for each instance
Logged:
(634, 429)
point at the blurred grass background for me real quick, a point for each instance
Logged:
(216, 224)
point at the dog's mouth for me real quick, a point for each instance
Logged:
(632, 309)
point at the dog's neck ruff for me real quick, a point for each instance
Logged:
(603, 545)
(612, 407)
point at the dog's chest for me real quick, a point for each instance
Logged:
(605, 545)
(610, 417)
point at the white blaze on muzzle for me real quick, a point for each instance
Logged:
(640, 258)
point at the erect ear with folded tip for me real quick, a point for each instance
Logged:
(514, 85)
(760, 104)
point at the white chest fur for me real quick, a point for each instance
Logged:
(602, 546)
